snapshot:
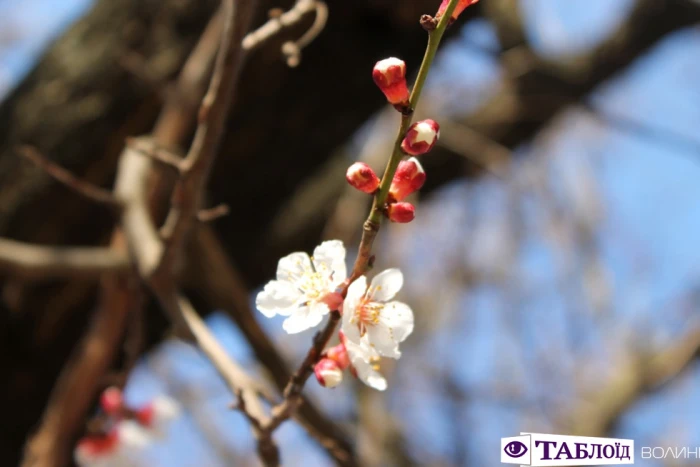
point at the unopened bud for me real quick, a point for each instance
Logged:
(401, 212)
(461, 6)
(158, 414)
(93, 449)
(328, 373)
(390, 76)
(111, 400)
(421, 137)
(362, 177)
(339, 355)
(408, 178)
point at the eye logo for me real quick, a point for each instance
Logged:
(515, 449)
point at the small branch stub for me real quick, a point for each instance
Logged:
(428, 23)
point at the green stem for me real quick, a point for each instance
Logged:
(292, 393)
(375, 216)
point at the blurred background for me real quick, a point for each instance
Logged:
(553, 265)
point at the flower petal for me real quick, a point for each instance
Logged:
(398, 317)
(360, 356)
(330, 257)
(277, 298)
(382, 340)
(293, 266)
(305, 318)
(371, 378)
(394, 325)
(385, 285)
(355, 293)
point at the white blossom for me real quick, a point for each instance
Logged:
(370, 314)
(305, 286)
(365, 363)
(119, 449)
(158, 415)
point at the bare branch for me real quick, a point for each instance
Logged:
(186, 200)
(148, 148)
(75, 389)
(645, 374)
(62, 175)
(46, 262)
(279, 21)
(211, 214)
(217, 279)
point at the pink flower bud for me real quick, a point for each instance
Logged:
(401, 212)
(111, 401)
(421, 137)
(328, 373)
(339, 355)
(91, 448)
(408, 178)
(461, 6)
(362, 177)
(158, 414)
(390, 76)
(145, 415)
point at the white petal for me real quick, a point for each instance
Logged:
(382, 341)
(330, 256)
(292, 267)
(371, 378)
(359, 357)
(395, 324)
(305, 318)
(277, 298)
(398, 317)
(355, 293)
(166, 408)
(386, 285)
(132, 435)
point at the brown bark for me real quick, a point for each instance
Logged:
(103, 81)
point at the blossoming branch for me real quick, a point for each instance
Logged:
(307, 288)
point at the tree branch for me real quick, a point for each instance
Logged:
(62, 175)
(37, 262)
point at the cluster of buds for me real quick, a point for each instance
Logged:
(125, 429)
(390, 76)
(329, 370)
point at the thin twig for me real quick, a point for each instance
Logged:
(187, 198)
(82, 187)
(292, 49)
(290, 18)
(148, 148)
(30, 261)
(211, 214)
(217, 279)
(154, 258)
(73, 395)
